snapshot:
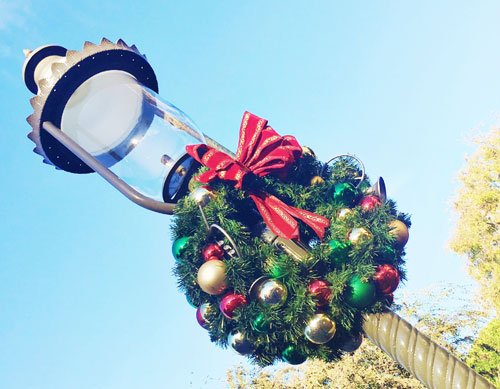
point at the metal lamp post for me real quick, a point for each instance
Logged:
(98, 110)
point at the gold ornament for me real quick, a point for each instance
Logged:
(317, 180)
(272, 292)
(399, 231)
(212, 277)
(344, 212)
(308, 151)
(320, 329)
(202, 196)
(359, 235)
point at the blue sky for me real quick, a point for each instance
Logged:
(87, 298)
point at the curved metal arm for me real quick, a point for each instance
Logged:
(431, 364)
(108, 175)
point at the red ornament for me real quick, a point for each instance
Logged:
(213, 250)
(230, 302)
(369, 202)
(320, 291)
(386, 279)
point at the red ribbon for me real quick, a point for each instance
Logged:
(261, 151)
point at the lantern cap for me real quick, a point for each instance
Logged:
(54, 73)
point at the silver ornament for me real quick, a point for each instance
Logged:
(351, 343)
(320, 329)
(272, 292)
(239, 343)
(202, 196)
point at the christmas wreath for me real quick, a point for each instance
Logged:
(283, 254)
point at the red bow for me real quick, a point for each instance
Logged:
(261, 151)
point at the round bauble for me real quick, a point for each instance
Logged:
(351, 343)
(345, 194)
(292, 356)
(362, 293)
(212, 277)
(202, 195)
(320, 329)
(213, 250)
(386, 279)
(388, 253)
(369, 202)
(399, 231)
(230, 302)
(320, 292)
(317, 180)
(239, 343)
(201, 314)
(179, 246)
(188, 299)
(260, 324)
(308, 151)
(339, 251)
(272, 292)
(344, 213)
(359, 236)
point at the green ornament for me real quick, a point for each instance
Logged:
(261, 325)
(190, 302)
(361, 294)
(340, 251)
(293, 356)
(179, 246)
(344, 193)
(278, 272)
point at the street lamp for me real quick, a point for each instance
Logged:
(99, 110)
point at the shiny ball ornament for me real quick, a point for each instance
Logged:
(272, 292)
(399, 231)
(351, 343)
(308, 151)
(317, 180)
(292, 356)
(320, 329)
(230, 302)
(190, 302)
(344, 213)
(361, 293)
(345, 194)
(339, 251)
(369, 202)
(213, 250)
(179, 246)
(202, 196)
(239, 343)
(260, 324)
(201, 314)
(212, 277)
(359, 236)
(386, 279)
(320, 292)
(388, 253)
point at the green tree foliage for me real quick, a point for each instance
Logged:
(477, 236)
(444, 313)
(484, 356)
(477, 206)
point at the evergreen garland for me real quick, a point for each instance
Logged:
(236, 213)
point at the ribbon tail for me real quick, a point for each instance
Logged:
(275, 217)
(316, 222)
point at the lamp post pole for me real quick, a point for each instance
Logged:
(73, 132)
